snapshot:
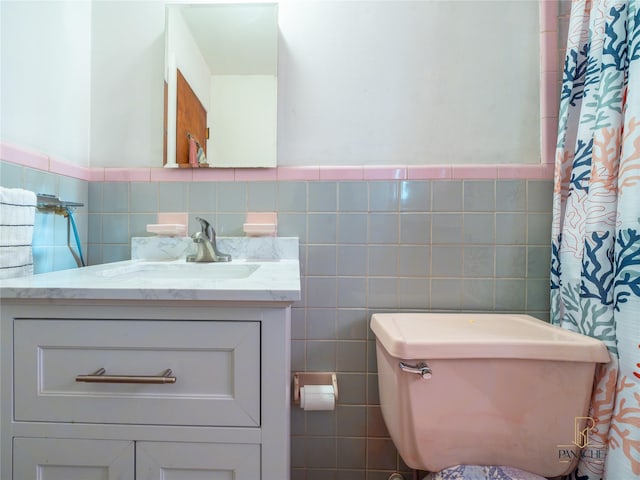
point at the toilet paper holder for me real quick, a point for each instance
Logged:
(300, 379)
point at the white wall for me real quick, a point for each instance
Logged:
(46, 77)
(127, 83)
(408, 82)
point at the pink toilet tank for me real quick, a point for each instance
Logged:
(485, 389)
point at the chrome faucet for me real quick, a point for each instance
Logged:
(205, 239)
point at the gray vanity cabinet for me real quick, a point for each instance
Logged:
(72, 459)
(134, 390)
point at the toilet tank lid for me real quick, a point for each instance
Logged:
(465, 335)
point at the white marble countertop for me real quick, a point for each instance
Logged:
(241, 280)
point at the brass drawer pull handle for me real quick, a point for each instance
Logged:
(99, 377)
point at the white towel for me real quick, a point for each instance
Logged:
(17, 215)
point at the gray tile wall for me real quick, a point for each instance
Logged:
(50, 251)
(364, 247)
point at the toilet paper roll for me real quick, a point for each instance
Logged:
(317, 397)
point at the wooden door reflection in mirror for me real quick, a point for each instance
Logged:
(191, 119)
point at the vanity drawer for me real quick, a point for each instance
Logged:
(216, 365)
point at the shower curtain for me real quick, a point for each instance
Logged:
(595, 264)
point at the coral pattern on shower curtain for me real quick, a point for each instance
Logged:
(595, 264)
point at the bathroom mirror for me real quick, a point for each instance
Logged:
(220, 85)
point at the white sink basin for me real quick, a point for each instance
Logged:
(182, 270)
(263, 269)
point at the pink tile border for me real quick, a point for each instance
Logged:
(335, 173)
(298, 173)
(127, 175)
(68, 169)
(340, 172)
(534, 172)
(548, 15)
(549, 127)
(214, 175)
(256, 174)
(474, 171)
(96, 175)
(23, 157)
(549, 88)
(549, 96)
(549, 51)
(391, 172)
(171, 174)
(431, 172)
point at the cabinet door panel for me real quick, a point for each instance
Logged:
(197, 461)
(216, 364)
(70, 459)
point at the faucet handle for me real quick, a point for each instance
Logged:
(207, 229)
(203, 223)
(206, 240)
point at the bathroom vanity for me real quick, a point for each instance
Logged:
(119, 371)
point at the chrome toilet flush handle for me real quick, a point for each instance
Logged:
(421, 369)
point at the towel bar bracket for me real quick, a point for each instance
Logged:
(49, 202)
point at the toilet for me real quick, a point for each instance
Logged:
(474, 395)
